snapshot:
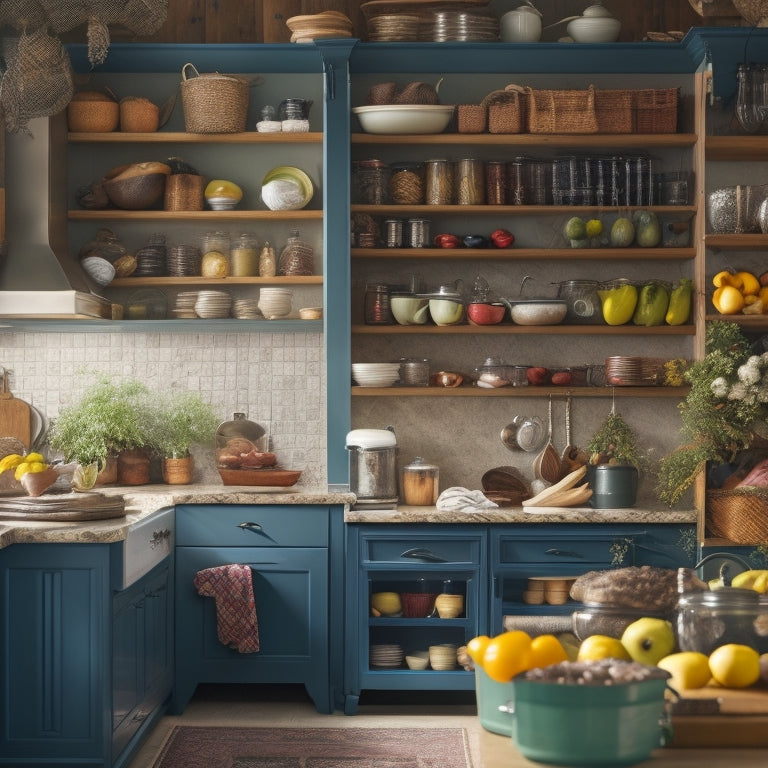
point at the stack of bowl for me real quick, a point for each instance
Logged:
(388, 655)
(417, 660)
(449, 606)
(442, 657)
(375, 374)
(275, 302)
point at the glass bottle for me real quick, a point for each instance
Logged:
(746, 109)
(267, 261)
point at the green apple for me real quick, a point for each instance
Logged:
(649, 639)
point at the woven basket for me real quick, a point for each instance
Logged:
(739, 515)
(656, 110)
(571, 111)
(507, 110)
(213, 103)
(614, 111)
(471, 118)
(184, 192)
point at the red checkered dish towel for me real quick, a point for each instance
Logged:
(232, 588)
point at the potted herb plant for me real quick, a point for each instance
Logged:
(180, 420)
(612, 470)
(109, 418)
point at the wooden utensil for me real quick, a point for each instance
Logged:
(572, 457)
(15, 415)
(546, 465)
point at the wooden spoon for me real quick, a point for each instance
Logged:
(546, 465)
(572, 457)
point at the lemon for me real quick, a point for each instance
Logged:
(596, 647)
(734, 665)
(689, 669)
(594, 228)
(575, 229)
(728, 300)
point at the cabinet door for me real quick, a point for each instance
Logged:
(54, 652)
(291, 591)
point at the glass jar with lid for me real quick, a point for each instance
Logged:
(370, 182)
(244, 256)
(420, 483)
(236, 437)
(406, 183)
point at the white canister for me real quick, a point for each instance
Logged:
(523, 25)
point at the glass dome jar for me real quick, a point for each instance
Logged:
(420, 483)
(236, 437)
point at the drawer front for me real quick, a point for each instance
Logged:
(421, 549)
(252, 525)
(556, 550)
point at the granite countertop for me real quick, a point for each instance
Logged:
(143, 501)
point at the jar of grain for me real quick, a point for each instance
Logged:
(406, 184)
(420, 483)
(495, 182)
(438, 182)
(469, 182)
(244, 256)
(370, 182)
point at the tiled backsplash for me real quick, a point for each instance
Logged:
(277, 380)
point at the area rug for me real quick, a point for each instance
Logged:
(222, 747)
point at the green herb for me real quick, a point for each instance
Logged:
(614, 443)
(179, 420)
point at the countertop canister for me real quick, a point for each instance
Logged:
(420, 483)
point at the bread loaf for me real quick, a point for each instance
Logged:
(646, 587)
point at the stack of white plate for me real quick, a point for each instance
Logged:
(443, 656)
(184, 306)
(394, 27)
(375, 374)
(389, 655)
(275, 302)
(213, 304)
(246, 309)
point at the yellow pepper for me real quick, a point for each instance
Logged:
(728, 300)
(618, 304)
(680, 299)
(749, 283)
(721, 279)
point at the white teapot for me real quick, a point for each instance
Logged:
(522, 25)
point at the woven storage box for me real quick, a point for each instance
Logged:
(614, 111)
(739, 515)
(656, 110)
(184, 192)
(507, 112)
(471, 118)
(213, 103)
(571, 111)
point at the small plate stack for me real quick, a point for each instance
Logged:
(621, 371)
(394, 27)
(212, 305)
(247, 309)
(184, 306)
(305, 29)
(389, 655)
(375, 374)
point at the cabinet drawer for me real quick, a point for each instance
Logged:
(424, 549)
(564, 549)
(252, 525)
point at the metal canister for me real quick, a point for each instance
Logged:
(393, 233)
(372, 466)
(418, 233)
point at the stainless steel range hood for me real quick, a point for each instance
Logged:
(37, 276)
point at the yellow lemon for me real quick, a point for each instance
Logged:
(689, 669)
(734, 665)
(547, 650)
(756, 579)
(596, 647)
(594, 228)
(728, 300)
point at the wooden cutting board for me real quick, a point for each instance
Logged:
(15, 415)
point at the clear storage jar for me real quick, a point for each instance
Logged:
(244, 256)
(421, 482)
(370, 182)
(438, 175)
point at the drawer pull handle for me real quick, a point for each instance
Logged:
(423, 554)
(562, 553)
(255, 528)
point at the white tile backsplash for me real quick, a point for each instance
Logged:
(277, 379)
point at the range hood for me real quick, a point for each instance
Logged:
(37, 276)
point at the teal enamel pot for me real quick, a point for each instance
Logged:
(491, 697)
(614, 486)
(595, 726)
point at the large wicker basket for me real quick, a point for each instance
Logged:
(614, 111)
(656, 110)
(571, 111)
(739, 515)
(213, 103)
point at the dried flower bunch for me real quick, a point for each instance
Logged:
(727, 403)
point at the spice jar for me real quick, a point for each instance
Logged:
(406, 184)
(420, 483)
(469, 182)
(244, 256)
(438, 182)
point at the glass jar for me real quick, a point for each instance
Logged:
(469, 182)
(216, 241)
(517, 181)
(370, 182)
(414, 371)
(393, 233)
(709, 619)
(297, 257)
(152, 259)
(237, 437)
(377, 309)
(420, 483)
(583, 301)
(406, 184)
(244, 256)
(495, 182)
(608, 620)
(438, 182)
(418, 233)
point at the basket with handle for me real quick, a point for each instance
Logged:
(739, 514)
(507, 110)
(567, 111)
(213, 103)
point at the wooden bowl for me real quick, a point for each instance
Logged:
(136, 187)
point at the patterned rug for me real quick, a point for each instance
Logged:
(216, 747)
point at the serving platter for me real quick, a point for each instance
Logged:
(267, 476)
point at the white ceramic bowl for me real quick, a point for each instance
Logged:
(594, 29)
(404, 118)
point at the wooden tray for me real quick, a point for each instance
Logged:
(267, 476)
(60, 507)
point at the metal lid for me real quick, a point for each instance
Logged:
(725, 597)
(371, 438)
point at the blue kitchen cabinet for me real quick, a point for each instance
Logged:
(86, 665)
(521, 552)
(408, 559)
(288, 549)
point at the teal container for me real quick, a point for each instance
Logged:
(592, 726)
(614, 486)
(490, 696)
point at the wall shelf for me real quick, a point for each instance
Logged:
(545, 330)
(522, 254)
(677, 393)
